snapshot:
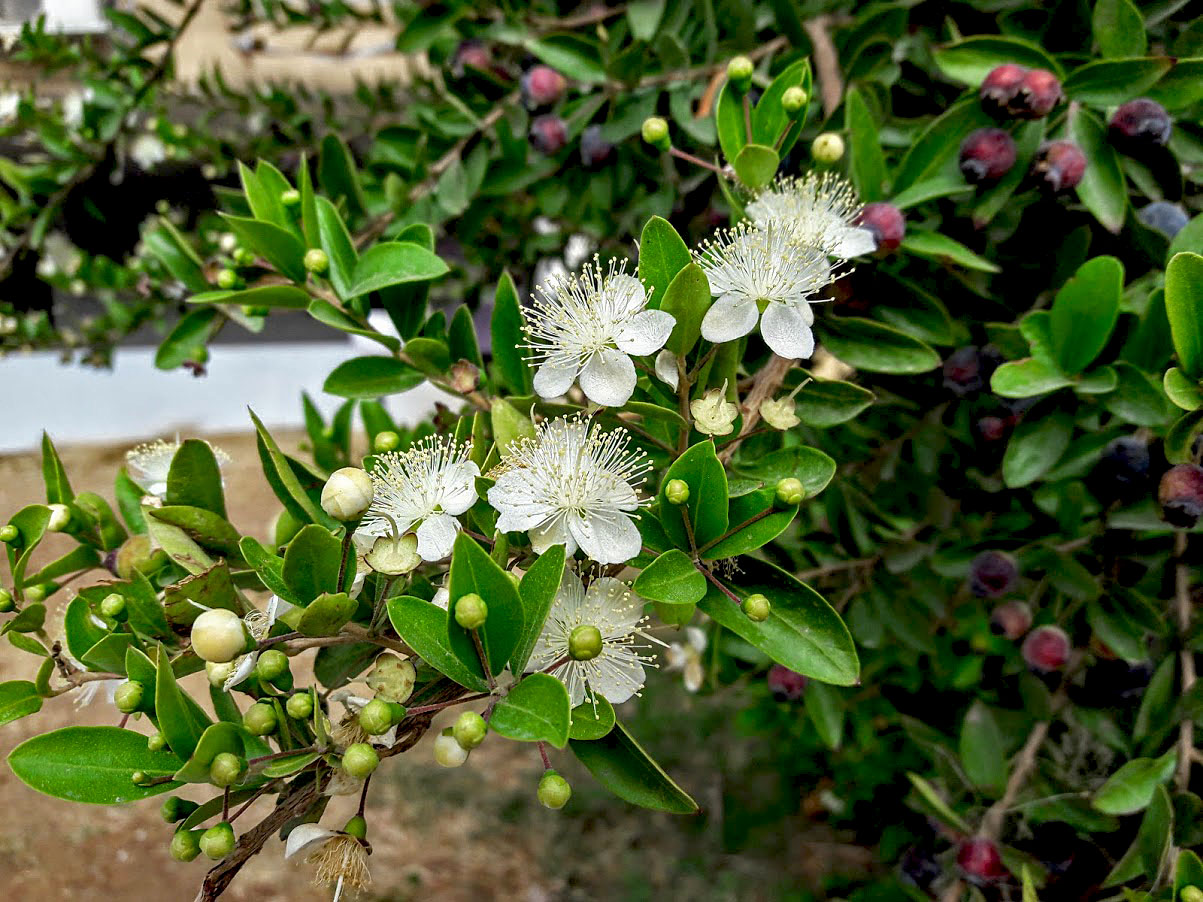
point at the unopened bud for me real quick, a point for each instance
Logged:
(113, 606)
(316, 260)
(360, 760)
(260, 719)
(793, 101)
(9, 534)
(227, 279)
(128, 696)
(226, 769)
(655, 133)
(740, 70)
(470, 730)
(790, 491)
(677, 491)
(471, 611)
(299, 706)
(156, 742)
(185, 844)
(220, 636)
(175, 809)
(448, 752)
(272, 665)
(60, 518)
(756, 608)
(554, 791)
(290, 198)
(1191, 894)
(218, 841)
(376, 717)
(348, 493)
(386, 441)
(827, 148)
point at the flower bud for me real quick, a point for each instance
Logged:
(227, 279)
(226, 769)
(448, 752)
(470, 730)
(175, 809)
(790, 491)
(756, 608)
(584, 642)
(60, 518)
(392, 678)
(9, 534)
(1191, 894)
(357, 826)
(290, 198)
(793, 101)
(376, 717)
(677, 491)
(139, 778)
(113, 606)
(348, 493)
(394, 555)
(386, 441)
(220, 636)
(316, 260)
(554, 791)
(827, 148)
(6, 601)
(128, 697)
(218, 841)
(137, 556)
(739, 71)
(219, 673)
(272, 665)
(713, 414)
(39, 592)
(359, 760)
(471, 611)
(655, 133)
(185, 844)
(260, 719)
(299, 706)
(780, 413)
(243, 256)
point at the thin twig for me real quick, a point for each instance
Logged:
(827, 63)
(1182, 611)
(768, 381)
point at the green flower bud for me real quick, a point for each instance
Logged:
(300, 706)
(316, 260)
(827, 148)
(220, 636)
(218, 841)
(227, 279)
(740, 70)
(6, 601)
(655, 133)
(554, 791)
(793, 100)
(386, 441)
(357, 827)
(448, 752)
(60, 518)
(470, 730)
(376, 718)
(139, 778)
(128, 697)
(243, 256)
(156, 741)
(757, 608)
(1191, 894)
(790, 491)
(584, 643)
(9, 533)
(392, 678)
(185, 844)
(176, 809)
(37, 593)
(359, 760)
(113, 607)
(219, 673)
(260, 719)
(272, 664)
(677, 491)
(348, 493)
(471, 611)
(290, 198)
(226, 769)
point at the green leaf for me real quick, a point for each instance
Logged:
(671, 578)
(867, 162)
(1138, 398)
(1112, 82)
(769, 119)
(1084, 313)
(221, 737)
(810, 466)
(1155, 835)
(510, 361)
(802, 633)
(336, 173)
(178, 545)
(54, 474)
(1131, 788)
(280, 247)
(327, 314)
(1184, 391)
(935, 801)
(178, 721)
(290, 765)
(756, 165)
(336, 242)
(1184, 307)
(535, 710)
(1035, 446)
(933, 156)
(942, 249)
(877, 348)
(700, 469)
(94, 765)
(394, 263)
(203, 527)
(285, 482)
(687, 299)
(1118, 29)
(981, 749)
(1103, 189)
(755, 521)
(327, 614)
(537, 592)
(645, 16)
(311, 564)
(18, 698)
(592, 719)
(371, 378)
(1027, 378)
(195, 478)
(662, 254)
(187, 338)
(729, 121)
(970, 60)
(1188, 871)
(823, 403)
(825, 708)
(576, 56)
(166, 244)
(473, 571)
(619, 763)
(423, 627)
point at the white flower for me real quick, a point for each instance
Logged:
(616, 673)
(666, 369)
(10, 102)
(573, 485)
(259, 624)
(712, 413)
(754, 271)
(73, 107)
(819, 210)
(426, 486)
(588, 327)
(687, 657)
(148, 464)
(147, 151)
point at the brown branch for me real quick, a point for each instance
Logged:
(1182, 612)
(1025, 763)
(827, 63)
(766, 384)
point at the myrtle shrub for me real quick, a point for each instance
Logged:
(887, 427)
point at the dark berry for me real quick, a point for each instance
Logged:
(1139, 125)
(968, 370)
(987, 155)
(993, 429)
(1011, 619)
(980, 862)
(887, 224)
(548, 134)
(1046, 649)
(1122, 473)
(1164, 217)
(595, 150)
(1000, 88)
(541, 86)
(992, 573)
(1039, 92)
(471, 54)
(1059, 165)
(1181, 495)
(785, 684)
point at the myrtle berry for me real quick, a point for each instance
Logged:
(1059, 165)
(987, 155)
(554, 791)
(1046, 649)
(1039, 91)
(471, 54)
(1181, 495)
(1011, 619)
(887, 224)
(541, 86)
(595, 149)
(785, 684)
(1000, 87)
(968, 370)
(1140, 125)
(548, 133)
(980, 862)
(992, 573)
(1122, 473)
(1164, 217)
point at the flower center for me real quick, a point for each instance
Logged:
(584, 643)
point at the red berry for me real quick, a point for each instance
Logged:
(471, 54)
(887, 224)
(1181, 495)
(1011, 619)
(785, 684)
(1001, 86)
(992, 573)
(1059, 165)
(548, 133)
(993, 429)
(595, 149)
(1140, 125)
(987, 155)
(1039, 92)
(968, 370)
(1046, 649)
(980, 861)
(541, 86)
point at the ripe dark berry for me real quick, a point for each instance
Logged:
(1164, 217)
(595, 150)
(1000, 88)
(987, 155)
(471, 54)
(1011, 619)
(1059, 165)
(1046, 649)
(541, 86)
(785, 684)
(1140, 125)
(968, 370)
(980, 862)
(1122, 473)
(992, 573)
(1039, 92)
(887, 224)
(993, 429)
(548, 134)
(1181, 495)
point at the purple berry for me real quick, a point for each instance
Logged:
(980, 862)
(887, 224)
(1059, 165)
(541, 86)
(785, 684)
(1046, 649)
(1164, 217)
(1000, 87)
(548, 133)
(595, 149)
(1039, 92)
(1140, 125)
(471, 54)
(987, 155)
(992, 574)
(1181, 495)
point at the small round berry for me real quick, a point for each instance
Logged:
(360, 760)
(980, 862)
(357, 826)
(595, 149)
(1039, 92)
(299, 706)
(386, 441)
(886, 223)
(226, 769)
(1164, 217)
(9, 534)
(740, 71)
(316, 260)
(272, 664)
(128, 697)
(219, 636)
(987, 155)
(655, 132)
(992, 573)
(6, 601)
(554, 791)
(676, 491)
(1059, 165)
(1122, 473)
(1046, 649)
(348, 493)
(471, 54)
(113, 606)
(793, 101)
(471, 612)
(756, 608)
(227, 279)
(785, 684)
(260, 719)
(992, 428)
(243, 256)
(60, 518)
(290, 198)
(218, 841)
(827, 148)
(548, 133)
(185, 844)
(1181, 495)
(1140, 125)
(1011, 619)
(470, 730)
(156, 742)
(541, 86)
(376, 717)
(584, 642)
(448, 752)
(1000, 87)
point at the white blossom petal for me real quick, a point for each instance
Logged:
(786, 331)
(666, 369)
(612, 539)
(854, 243)
(304, 837)
(645, 333)
(608, 378)
(555, 532)
(554, 377)
(729, 318)
(436, 536)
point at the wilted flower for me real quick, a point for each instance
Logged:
(818, 210)
(713, 414)
(687, 657)
(259, 624)
(148, 464)
(666, 369)
(339, 858)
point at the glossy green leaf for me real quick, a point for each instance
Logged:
(1103, 189)
(769, 119)
(1131, 788)
(327, 314)
(700, 469)
(510, 362)
(423, 627)
(687, 299)
(336, 242)
(756, 519)
(971, 59)
(372, 377)
(535, 710)
(756, 165)
(284, 480)
(187, 339)
(327, 614)
(671, 578)
(1035, 446)
(877, 348)
(1184, 391)
(394, 263)
(1184, 307)
(825, 708)
(1118, 29)
(592, 719)
(662, 254)
(94, 765)
(221, 737)
(619, 763)
(195, 478)
(1084, 313)
(941, 248)
(473, 571)
(867, 163)
(810, 466)
(1112, 82)
(180, 723)
(18, 698)
(982, 752)
(280, 247)
(311, 564)
(537, 591)
(823, 403)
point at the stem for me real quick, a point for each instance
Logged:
(276, 756)
(684, 509)
(827, 63)
(697, 161)
(484, 659)
(225, 805)
(714, 579)
(430, 709)
(1182, 610)
(767, 381)
(249, 802)
(734, 529)
(1025, 763)
(543, 754)
(363, 795)
(342, 563)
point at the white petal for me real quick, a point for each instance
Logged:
(246, 666)
(666, 369)
(571, 594)
(442, 598)
(785, 330)
(304, 837)
(555, 376)
(611, 538)
(459, 487)
(627, 290)
(622, 608)
(551, 533)
(617, 681)
(646, 332)
(853, 243)
(436, 536)
(696, 638)
(694, 674)
(273, 611)
(729, 318)
(608, 378)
